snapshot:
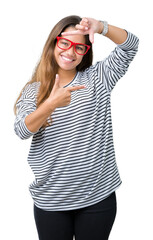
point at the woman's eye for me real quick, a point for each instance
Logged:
(65, 43)
(79, 48)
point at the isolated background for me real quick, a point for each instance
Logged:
(24, 28)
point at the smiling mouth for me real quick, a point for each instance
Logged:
(67, 59)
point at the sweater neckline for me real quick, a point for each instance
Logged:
(76, 75)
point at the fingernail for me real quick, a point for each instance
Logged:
(86, 28)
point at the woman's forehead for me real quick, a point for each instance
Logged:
(80, 38)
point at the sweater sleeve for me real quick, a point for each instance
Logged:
(25, 105)
(112, 68)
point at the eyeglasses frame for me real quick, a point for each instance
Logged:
(73, 44)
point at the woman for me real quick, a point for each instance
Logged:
(66, 108)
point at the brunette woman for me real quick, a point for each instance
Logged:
(66, 108)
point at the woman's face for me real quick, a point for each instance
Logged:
(68, 59)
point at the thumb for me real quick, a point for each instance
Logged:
(57, 80)
(91, 37)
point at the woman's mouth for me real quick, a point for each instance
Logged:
(66, 59)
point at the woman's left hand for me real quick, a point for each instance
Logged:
(86, 26)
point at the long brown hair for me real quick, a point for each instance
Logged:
(46, 69)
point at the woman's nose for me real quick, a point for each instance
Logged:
(71, 51)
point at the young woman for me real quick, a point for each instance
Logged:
(66, 108)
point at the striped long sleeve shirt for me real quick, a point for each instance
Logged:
(74, 160)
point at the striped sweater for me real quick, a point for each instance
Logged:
(74, 160)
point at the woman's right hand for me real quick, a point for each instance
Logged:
(61, 96)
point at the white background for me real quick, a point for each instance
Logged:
(24, 28)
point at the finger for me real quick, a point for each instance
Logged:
(76, 88)
(81, 27)
(91, 37)
(84, 23)
(85, 19)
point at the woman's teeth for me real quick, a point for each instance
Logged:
(67, 59)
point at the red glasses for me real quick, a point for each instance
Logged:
(66, 44)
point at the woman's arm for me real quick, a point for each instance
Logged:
(112, 68)
(37, 118)
(117, 35)
(29, 118)
(91, 26)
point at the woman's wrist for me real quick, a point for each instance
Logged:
(105, 28)
(100, 27)
(50, 104)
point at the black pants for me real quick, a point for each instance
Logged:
(89, 223)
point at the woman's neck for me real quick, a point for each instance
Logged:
(66, 76)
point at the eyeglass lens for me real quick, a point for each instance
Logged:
(65, 44)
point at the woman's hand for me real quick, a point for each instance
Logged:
(61, 96)
(86, 26)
